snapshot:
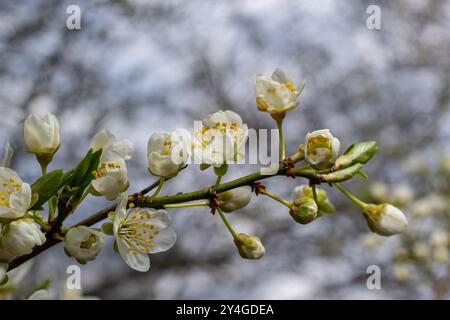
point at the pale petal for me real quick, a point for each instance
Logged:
(164, 240)
(102, 140)
(161, 165)
(138, 261)
(121, 212)
(279, 75)
(21, 200)
(124, 148)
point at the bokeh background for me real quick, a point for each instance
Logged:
(140, 66)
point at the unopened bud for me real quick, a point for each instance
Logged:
(235, 199)
(304, 210)
(385, 219)
(249, 247)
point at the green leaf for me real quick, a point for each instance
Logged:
(82, 174)
(357, 153)
(341, 175)
(46, 187)
(80, 170)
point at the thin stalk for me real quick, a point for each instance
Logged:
(277, 198)
(227, 224)
(281, 137)
(187, 205)
(219, 178)
(159, 188)
(351, 197)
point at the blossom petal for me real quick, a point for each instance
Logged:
(164, 240)
(21, 200)
(138, 261)
(121, 212)
(102, 140)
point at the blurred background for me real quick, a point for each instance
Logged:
(137, 67)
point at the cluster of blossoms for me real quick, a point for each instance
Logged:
(140, 224)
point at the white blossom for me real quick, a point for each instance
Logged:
(276, 94)
(15, 195)
(321, 148)
(83, 243)
(111, 177)
(221, 139)
(140, 232)
(42, 134)
(167, 152)
(19, 237)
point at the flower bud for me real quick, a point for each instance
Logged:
(249, 247)
(321, 148)
(304, 210)
(385, 219)
(42, 134)
(235, 199)
(83, 243)
(356, 153)
(322, 197)
(19, 238)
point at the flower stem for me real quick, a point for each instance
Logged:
(159, 188)
(351, 197)
(277, 198)
(219, 178)
(316, 199)
(186, 205)
(43, 168)
(227, 224)
(281, 137)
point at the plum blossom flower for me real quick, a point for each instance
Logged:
(167, 152)
(220, 139)
(15, 195)
(276, 94)
(141, 232)
(111, 177)
(83, 243)
(321, 148)
(42, 134)
(19, 238)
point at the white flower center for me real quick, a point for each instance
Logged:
(137, 233)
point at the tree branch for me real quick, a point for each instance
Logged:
(159, 202)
